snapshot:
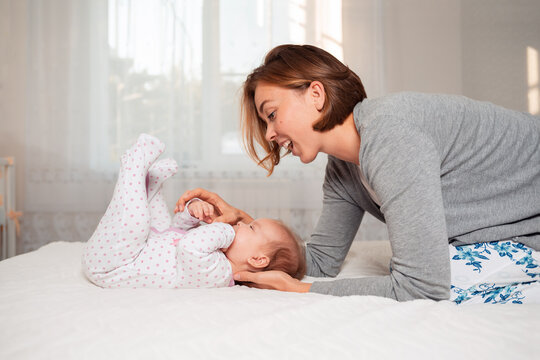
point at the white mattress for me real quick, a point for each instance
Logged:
(48, 310)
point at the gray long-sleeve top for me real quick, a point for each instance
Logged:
(446, 170)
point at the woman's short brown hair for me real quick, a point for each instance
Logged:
(296, 67)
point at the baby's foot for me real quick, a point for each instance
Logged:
(157, 174)
(143, 153)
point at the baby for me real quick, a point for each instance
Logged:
(138, 245)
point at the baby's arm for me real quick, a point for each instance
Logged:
(202, 210)
(184, 220)
(202, 262)
(195, 211)
(208, 239)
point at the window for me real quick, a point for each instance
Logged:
(175, 69)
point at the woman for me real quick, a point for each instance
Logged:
(438, 170)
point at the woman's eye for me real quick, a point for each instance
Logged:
(272, 116)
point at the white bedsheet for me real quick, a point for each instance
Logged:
(48, 310)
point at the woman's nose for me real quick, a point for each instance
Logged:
(270, 133)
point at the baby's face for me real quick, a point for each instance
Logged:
(252, 239)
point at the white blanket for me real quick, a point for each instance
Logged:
(48, 310)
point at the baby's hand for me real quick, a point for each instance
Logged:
(202, 210)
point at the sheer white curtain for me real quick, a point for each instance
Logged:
(100, 72)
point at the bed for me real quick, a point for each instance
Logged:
(48, 310)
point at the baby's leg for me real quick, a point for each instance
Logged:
(155, 267)
(123, 230)
(160, 219)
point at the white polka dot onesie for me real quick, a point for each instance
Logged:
(137, 245)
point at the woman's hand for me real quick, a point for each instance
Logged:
(273, 279)
(226, 213)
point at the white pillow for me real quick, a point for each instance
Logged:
(365, 258)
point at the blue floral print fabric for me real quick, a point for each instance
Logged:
(498, 272)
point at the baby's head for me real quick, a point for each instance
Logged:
(266, 244)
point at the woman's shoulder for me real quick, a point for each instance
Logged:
(410, 111)
(389, 106)
(405, 105)
(384, 112)
(389, 101)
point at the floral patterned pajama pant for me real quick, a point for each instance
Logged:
(497, 272)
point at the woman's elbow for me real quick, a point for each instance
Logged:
(320, 266)
(439, 293)
(413, 289)
(317, 271)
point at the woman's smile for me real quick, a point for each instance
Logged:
(288, 145)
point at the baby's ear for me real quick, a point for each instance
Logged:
(259, 262)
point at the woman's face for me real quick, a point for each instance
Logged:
(290, 115)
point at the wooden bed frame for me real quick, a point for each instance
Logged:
(9, 222)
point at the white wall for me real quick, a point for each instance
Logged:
(496, 34)
(476, 48)
(423, 46)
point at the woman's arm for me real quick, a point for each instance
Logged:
(226, 213)
(403, 166)
(404, 169)
(339, 221)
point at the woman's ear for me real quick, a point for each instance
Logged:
(318, 94)
(259, 262)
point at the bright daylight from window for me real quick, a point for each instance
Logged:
(176, 68)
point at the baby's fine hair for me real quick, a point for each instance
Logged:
(288, 256)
